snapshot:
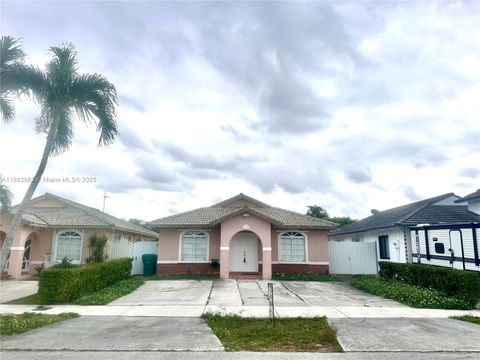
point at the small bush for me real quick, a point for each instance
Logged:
(415, 296)
(452, 282)
(59, 285)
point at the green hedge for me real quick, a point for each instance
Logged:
(59, 285)
(451, 282)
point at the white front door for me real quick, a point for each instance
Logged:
(456, 251)
(244, 253)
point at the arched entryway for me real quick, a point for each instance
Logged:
(244, 254)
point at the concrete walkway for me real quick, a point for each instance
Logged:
(245, 311)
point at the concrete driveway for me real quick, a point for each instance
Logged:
(223, 293)
(115, 333)
(407, 335)
(14, 289)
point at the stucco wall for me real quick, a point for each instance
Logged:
(169, 244)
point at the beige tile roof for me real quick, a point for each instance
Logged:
(72, 214)
(211, 216)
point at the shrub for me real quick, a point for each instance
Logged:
(412, 295)
(59, 285)
(451, 282)
(97, 246)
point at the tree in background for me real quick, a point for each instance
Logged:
(317, 211)
(321, 213)
(138, 222)
(61, 93)
(6, 198)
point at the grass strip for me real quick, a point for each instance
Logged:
(183, 277)
(111, 293)
(468, 318)
(12, 324)
(287, 335)
(305, 277)
(412, 295)
(33, 299)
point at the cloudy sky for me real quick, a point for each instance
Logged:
(346, 105)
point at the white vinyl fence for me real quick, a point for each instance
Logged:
(352, 257)
(134, 249)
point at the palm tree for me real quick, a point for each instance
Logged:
(17, 78)
(6, 198)
(61, 93)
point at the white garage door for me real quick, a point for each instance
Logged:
(352, 257)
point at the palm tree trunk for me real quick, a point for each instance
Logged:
(17, 219)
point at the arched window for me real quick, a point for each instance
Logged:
(69, 245)
(26, 254)
(291, 247)
(194, 246)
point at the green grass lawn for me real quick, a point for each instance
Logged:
(287, 335)
(12, 324)
(305, 277)
(101, 297)
(183, 277)
(469, 318)
(27, 300)
(411, 295)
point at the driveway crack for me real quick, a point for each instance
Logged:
(240, 293)
(294, 293)
(208, 298)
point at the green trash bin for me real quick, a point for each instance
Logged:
(149, 264)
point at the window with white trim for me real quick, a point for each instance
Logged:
(69, 245)
(194, 246)
(291, 247)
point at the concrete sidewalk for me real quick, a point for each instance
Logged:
(153, 355)
(245, 311)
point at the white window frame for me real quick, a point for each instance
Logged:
(57, 234)
(207, 260)
(279, 247)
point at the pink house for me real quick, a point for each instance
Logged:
(242, 236)
(54, 228)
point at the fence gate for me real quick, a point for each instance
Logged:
(126, 248)
(352, 257)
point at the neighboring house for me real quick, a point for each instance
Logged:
(241, 236)
(455, 243)
(54, 228)
(401, 234)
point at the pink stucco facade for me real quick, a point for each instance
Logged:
(220, 238)
(43, 242)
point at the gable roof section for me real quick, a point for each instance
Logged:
(215, 214)
(72, 214)
(423, 211)
(474, 195)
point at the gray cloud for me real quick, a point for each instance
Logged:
(359, 176)
(470, 172)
